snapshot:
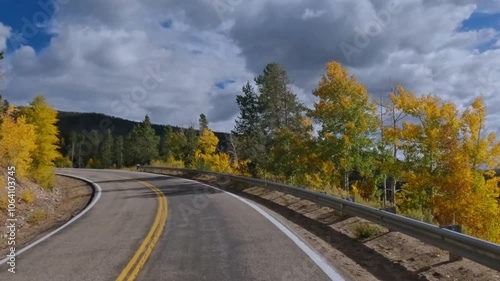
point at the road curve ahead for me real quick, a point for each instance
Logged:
(152, 227)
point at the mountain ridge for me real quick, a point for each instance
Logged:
(69, 121)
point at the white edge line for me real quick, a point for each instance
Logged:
(97, 195)
(318, 260)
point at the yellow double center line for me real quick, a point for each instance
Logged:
(141, 256)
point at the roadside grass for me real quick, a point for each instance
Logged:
(171, 163)
(37, 216)
(419, 214)
(4, 199)
(132, 168)
(367, 230)
(28, 197)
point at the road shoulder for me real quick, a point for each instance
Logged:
(50, 210)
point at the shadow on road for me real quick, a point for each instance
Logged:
(166, 185)
(373, 262)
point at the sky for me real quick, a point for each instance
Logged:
(176, 59)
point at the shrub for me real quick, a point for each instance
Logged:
(37, 216)
(28, 196)
(44, 176)
(366, 230)
(63, 162)
(172, 163)
(420, 215)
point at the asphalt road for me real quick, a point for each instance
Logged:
(207, 235)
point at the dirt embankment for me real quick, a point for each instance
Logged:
(384, 256)
(39, 211)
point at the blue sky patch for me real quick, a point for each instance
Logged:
(167, 23)
(479, 21)
(27, 20)
(222, 84)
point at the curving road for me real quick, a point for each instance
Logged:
(152, 227)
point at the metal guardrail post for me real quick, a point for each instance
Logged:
(456, 228)
(389, 209)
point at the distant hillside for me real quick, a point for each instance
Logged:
(79, 121)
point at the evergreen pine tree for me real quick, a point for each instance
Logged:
(106, 150)
(165, 149)
(118, 152)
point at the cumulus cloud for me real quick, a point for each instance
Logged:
(115, 56)
(4, 34)
(310, 14)
(489, 6)
(101, 67)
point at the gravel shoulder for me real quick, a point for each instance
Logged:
(48, 210)
(385, 256)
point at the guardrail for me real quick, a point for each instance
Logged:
(480, 251)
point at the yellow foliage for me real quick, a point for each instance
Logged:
(28, 196)
(43, 117)
(324, 179)
(354, 188)
(207, 143)
(365, 189)
(63, 162)
(171, 162)
(240, 168)
(348, 119)
(17, 143)
(205, 157)
(37, 216)
(44, 175)
(446, 154)
(217, 162)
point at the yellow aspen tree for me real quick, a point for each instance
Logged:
(217, 162)
(348, 122)
(483, 152)
(17, 143)
(207, 143)
(90, 164)
(43, 117)
(206, 158)
(423, 143)
(449, 161)
(240, 167)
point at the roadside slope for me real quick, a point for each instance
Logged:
(47, 211)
